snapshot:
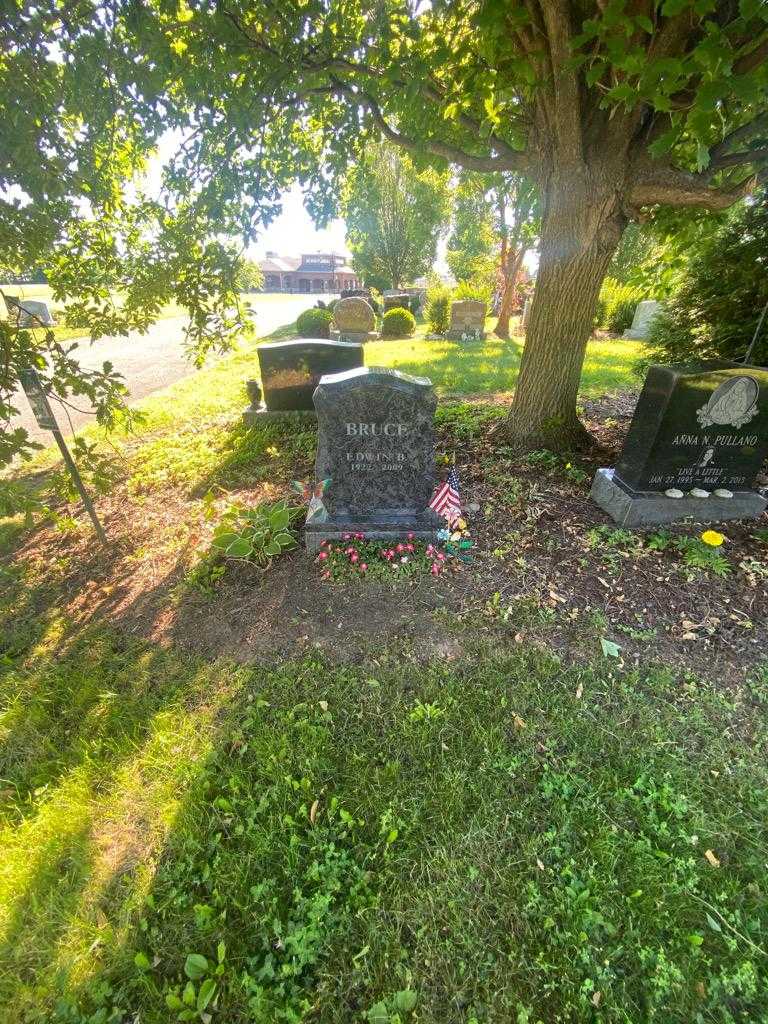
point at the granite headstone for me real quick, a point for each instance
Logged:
(291, 370)
(645, 313)
(353, 320)
(467, 319)
(376, 447)
(697, 429)
(30, 312)
(400, 300)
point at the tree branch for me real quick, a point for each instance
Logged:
(511, 161)
(667, 185)
(557, 20)
(740, 134)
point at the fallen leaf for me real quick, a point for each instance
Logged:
(323, 705)
(609, 648)
(518, 638)
(313, 811)
(579, 691)
(539, 864)
(557, 597)
(519, 722)
(596, 997)
(690, 636)
(712, 858)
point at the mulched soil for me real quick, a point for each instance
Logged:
(540, 574)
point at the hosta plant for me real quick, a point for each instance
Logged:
(255, 534)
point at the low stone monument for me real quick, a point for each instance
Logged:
(353, 320)
(467, 319)
(645, 313)
(290, 372)
(376, 447)
(29, 313)
(400, 300)
(695, 445)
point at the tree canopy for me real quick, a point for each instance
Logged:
(394, 214)
(610, 108)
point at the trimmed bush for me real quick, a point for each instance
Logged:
(314, 323)
(437, 310)
(398, 323)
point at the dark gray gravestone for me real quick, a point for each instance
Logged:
(290, 371)
(401, 300)
(700, 429)
(376, 445)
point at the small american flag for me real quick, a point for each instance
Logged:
(446, 501)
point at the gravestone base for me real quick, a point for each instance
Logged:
(456, 335)
(395, 528)
(253, 417)
(355, 337)
(651, 508)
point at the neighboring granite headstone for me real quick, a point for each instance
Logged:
(376, 446)
(29, 312)
(290, 372)
(353, 320)
(697, 440)
(467, 319)
(400, 300)
(645, 313)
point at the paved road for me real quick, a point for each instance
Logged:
(156, 359)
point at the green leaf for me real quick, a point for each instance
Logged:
(695, 939)
(610, 649)
(142, 961)
(221, 951)
(378, 1014)
(173, 1002)
(240, 548)
(271, 549)
(188, 995)
(645, 23)
(713, 924)
(224, 539)
(672, 7)
(285, 540)
(206, 994)
(279, 519)
(405, 1000)
(195, 966)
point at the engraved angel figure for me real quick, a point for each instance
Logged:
(733, 403)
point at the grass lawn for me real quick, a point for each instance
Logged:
(270, 798)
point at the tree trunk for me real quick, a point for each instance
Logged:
(582, 222)
(510, 273)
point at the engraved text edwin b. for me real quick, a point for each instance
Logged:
(376, 429)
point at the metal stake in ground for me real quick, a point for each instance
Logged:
(38, 400)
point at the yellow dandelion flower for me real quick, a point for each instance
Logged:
(713, 538)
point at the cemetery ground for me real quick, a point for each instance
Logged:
(533, 789)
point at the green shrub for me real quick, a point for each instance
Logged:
(617, 304)
(314, 323)
(398, 323)
(255, 534)
(437, 310)
(716, 310)
(479, 289)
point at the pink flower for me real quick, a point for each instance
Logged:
(322, 556)
(325, 576)
(363, 566)
(323, 543)
(430, 549)
(400, 548)
(354, 557)
(435, 568)
(441, 556)
(360, 536)
(346, 536)
(411, 536)
(350, 550)
(409, 547)
(391, 553)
